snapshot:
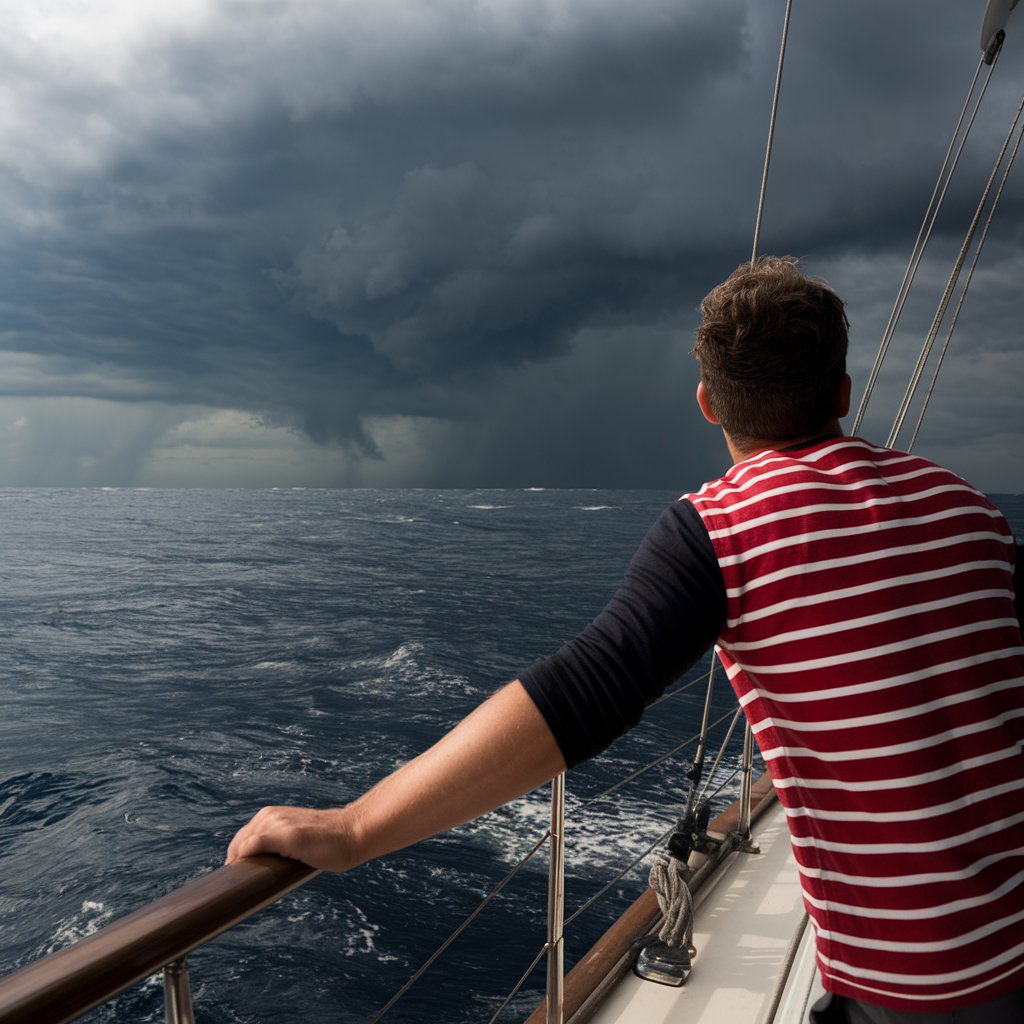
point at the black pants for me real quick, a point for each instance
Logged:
(832, 1009)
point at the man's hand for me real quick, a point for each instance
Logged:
(320, 839)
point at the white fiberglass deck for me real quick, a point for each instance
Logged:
(746, 919)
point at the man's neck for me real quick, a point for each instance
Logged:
(748, 449)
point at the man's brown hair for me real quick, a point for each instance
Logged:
(772, 351)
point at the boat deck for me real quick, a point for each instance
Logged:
(747, 916)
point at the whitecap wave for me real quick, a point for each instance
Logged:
(404, 656)
(92, 916)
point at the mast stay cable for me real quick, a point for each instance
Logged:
(992, 38)
(970, 276)
(923, 236)
(771, 134)
(947, 294)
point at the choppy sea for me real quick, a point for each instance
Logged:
(171, 660)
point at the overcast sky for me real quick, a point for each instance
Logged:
(462, 242)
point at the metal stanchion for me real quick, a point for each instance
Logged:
(177, 994)
(743, 825)
(556, 903)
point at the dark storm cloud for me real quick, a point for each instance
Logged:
(326, 214)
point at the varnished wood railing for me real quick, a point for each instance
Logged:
(72, 981)
(67, 983)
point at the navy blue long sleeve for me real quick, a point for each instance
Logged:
(668, 610)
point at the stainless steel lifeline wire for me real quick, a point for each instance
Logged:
(534, 849)
(470, 918)
(556, 905)
(612, 882)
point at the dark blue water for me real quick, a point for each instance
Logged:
(172, 660)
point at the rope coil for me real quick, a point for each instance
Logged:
(675, 902)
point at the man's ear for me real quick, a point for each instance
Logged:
(705, 405)
(843, 396)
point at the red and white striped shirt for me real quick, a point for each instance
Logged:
(872, 641)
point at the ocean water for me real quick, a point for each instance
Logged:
(173, 660)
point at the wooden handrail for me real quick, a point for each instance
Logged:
(613, 954)
(72, 981)
(67, 983)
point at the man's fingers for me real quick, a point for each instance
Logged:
(258, 836)
(315, 837)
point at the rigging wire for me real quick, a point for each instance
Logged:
(718, 759)
(584, 907)
(940, 313)
(471, 917)
(579, 911)
(771, 132)
(725, 782)
(970, 277)
(534, 849)
(600, 894)
(652, 764)
(523, 979)
(672, 694)
(924, 234)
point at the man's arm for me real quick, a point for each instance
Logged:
(499, 752)
(670, 607)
